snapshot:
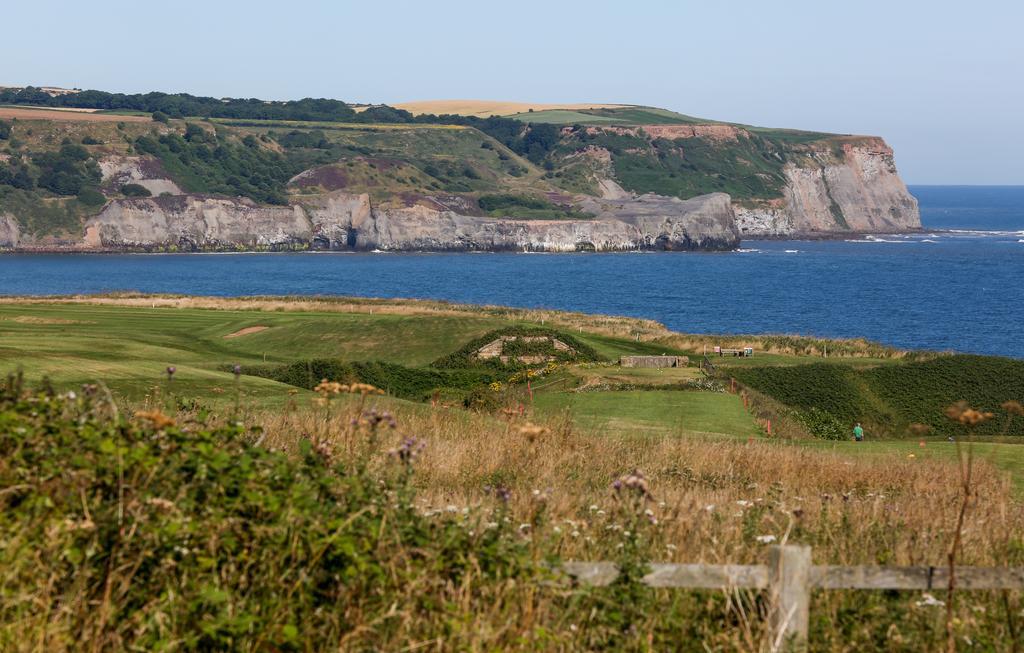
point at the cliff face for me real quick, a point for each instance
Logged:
(855, 189)
(343, 221)
(9, 232)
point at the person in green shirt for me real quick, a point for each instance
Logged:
(858, 432)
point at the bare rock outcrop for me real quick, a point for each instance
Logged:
(857, 189)
(10, 234)
(145, 171)
(194, 222)
(341, 221)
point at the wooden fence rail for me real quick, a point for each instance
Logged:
(789, 577)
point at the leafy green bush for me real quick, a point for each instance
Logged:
(210, 164)
(833, 389)
(919, 392)
(396, 380)
(505, 201)
(823, 424)
(892, 397)
(143, 535)
(91, 197)
(135, 190)
(5, 130)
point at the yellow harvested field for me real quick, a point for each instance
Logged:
(31, 113)
(484, 108)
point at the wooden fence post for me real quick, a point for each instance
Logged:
(789, 569)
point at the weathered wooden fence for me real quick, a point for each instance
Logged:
(790, 577)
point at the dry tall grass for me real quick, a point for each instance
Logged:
(715, 501)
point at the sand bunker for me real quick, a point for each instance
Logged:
(246, 331)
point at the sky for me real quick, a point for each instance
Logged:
(942, 82)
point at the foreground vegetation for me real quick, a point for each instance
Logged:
(202, 507)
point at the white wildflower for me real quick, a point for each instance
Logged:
(765, 539)
(929, 600)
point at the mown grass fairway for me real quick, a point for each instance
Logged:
(129, 348)
(652, 412)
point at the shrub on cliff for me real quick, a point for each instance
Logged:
(135, 190)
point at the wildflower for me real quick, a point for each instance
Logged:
(71, 395)
(374, 419)
(911, 456)
(496, 386)
(364, 389)
(635, 482)
(572, 627)
(157, 419)
(671, 547)
(557, 530)
(710, 507)
(408, 450)
(963, 413)
(593, 508)
(1013, 407)
(929, 600)
(743, 503)
(575, 534)
(452, 509)
(532, 432)
(765, 539)
(601, 513)
(523, 528)
(159, 502)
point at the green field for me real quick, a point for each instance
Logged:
(128, 348)
(653, 412)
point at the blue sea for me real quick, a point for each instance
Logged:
(960, 287)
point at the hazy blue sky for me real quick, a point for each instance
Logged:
(943, 82)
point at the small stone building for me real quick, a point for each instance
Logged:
(654, 361)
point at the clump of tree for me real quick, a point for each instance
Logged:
(135, 190)
(204, 162)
